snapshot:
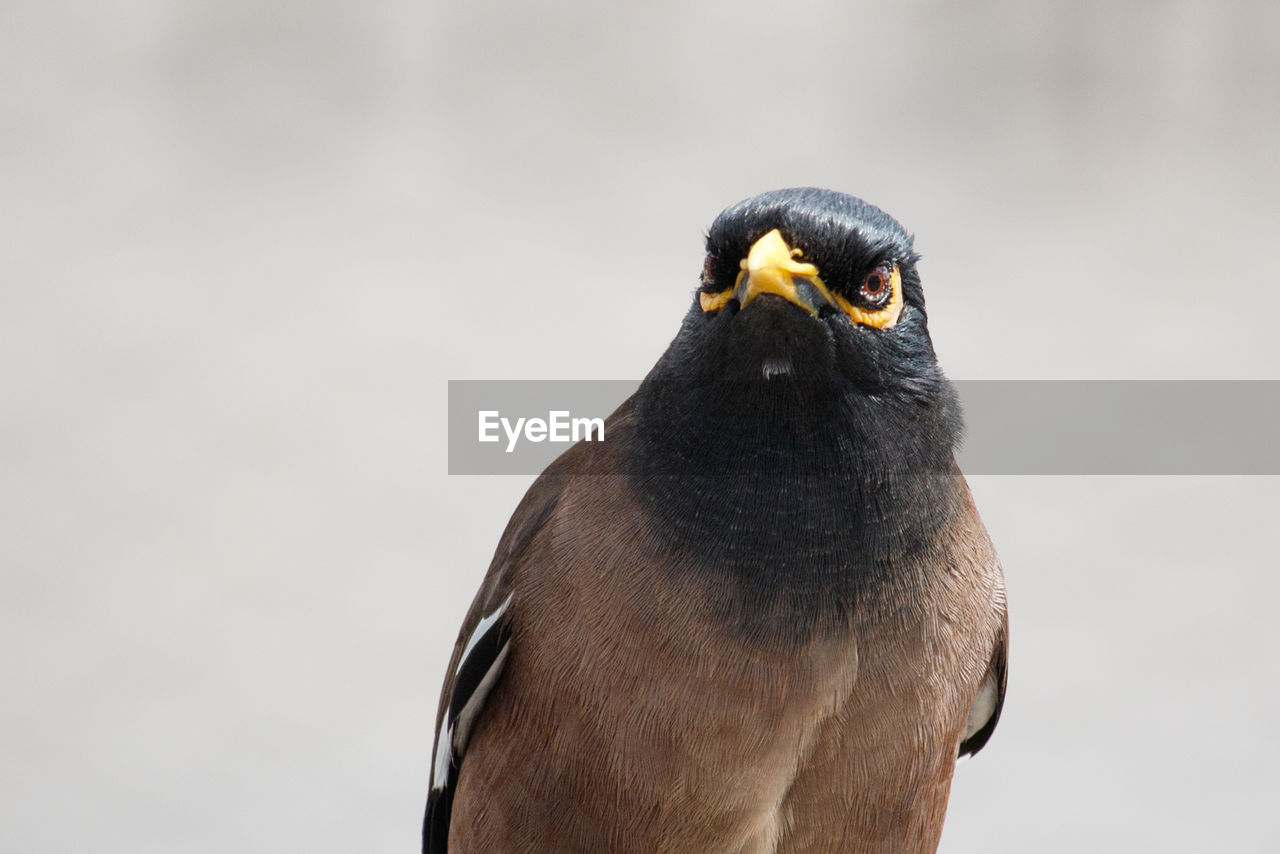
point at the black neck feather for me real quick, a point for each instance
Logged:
(802, 496)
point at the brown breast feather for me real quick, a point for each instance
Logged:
(630, 720)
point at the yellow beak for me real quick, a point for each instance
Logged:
(771, 268)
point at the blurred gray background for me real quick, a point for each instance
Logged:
(246, 244)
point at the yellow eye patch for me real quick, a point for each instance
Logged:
(773, 267)
(883, 317)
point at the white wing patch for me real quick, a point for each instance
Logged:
(444, 753)
(984, 706)
(481, 628)
(467, 717)
(481, 663)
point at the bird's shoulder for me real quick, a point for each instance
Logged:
(482, 648)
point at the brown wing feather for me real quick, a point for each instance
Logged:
(476, 677)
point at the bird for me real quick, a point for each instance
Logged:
(765, 614)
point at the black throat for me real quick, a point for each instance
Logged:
(802, 492)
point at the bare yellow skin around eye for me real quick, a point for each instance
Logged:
(713, 302)
(878, 318)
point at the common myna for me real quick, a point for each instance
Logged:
(763, 615)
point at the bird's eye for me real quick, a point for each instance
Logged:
(707, 276)
(876, 286)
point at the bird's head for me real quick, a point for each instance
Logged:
(814, 287)
(806, 345)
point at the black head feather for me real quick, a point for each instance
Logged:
(843, 235)
(845, 238)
